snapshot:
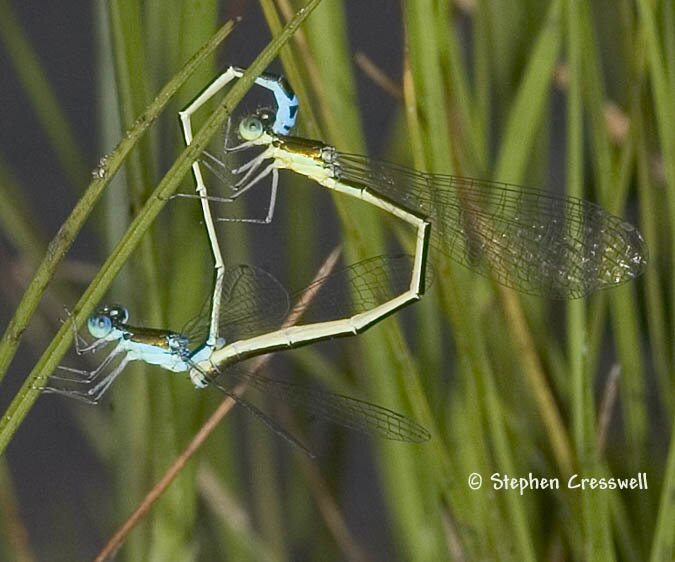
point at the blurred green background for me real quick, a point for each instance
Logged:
(576, 97)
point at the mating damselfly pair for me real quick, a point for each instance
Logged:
(522, 238)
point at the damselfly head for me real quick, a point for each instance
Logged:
(99, 325)
(267, 115)
(251, 128)
(117, 313)
(106, 319)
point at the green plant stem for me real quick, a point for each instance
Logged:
(49, 361)
(58, 247)
(109, 166)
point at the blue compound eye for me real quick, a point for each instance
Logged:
(99, 325)
(251, 128)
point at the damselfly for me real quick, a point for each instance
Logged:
(558, 247)
(280, 122)
(254, 306)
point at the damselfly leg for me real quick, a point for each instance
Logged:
(254, 309)
(90, 385)
(281, 120)
(523, 238)
(87, 387)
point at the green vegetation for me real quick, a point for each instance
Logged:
(506, 384)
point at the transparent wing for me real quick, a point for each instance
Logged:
(345, 411)
(523, 238)
(355, 289)
(253, 303)
(343, 293)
